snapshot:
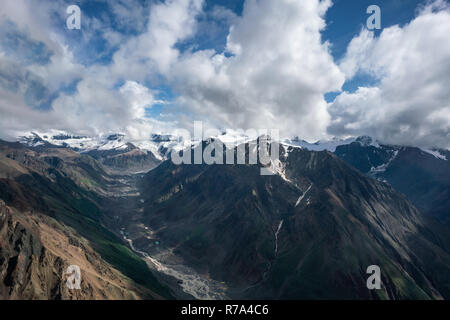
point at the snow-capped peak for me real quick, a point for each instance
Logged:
(367, 141)
(79, 143)
(329, 145)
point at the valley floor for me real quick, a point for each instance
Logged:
(185, 282)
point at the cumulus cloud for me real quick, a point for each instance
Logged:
(270, 69)
(410, 104)
(274, 73)
(38, 63)
(169, 23)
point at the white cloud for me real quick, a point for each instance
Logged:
(138, 98)
(274, 73)
(169, 23)
(276, 77)
(97, 106)
(95, 109)
(411, 102)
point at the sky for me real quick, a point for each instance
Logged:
(310, 68)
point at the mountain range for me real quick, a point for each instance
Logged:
(143, 227)
(308, 232)
(423, 175)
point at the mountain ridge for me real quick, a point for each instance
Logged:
(203, 211)
(57, 192)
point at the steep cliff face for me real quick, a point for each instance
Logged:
(35, 253)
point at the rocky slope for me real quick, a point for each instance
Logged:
(309, 231)
(53, 200)
(423, 176)
(37, 250)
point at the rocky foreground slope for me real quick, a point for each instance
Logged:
(35, 253)
(51, 207)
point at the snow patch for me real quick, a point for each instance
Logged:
(276, 236)
(383, 167)
(435, 153)
(302, 196)
(330, 145)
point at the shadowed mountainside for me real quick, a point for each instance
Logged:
(309, 231)
(421, 176)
